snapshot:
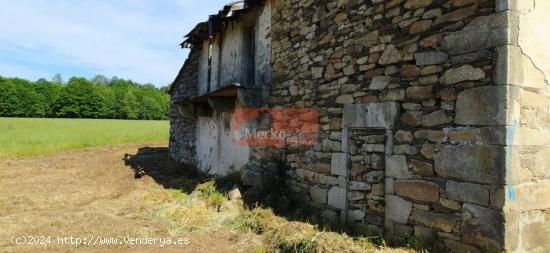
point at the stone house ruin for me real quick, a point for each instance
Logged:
(434, 114)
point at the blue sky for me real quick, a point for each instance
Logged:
(131, 39)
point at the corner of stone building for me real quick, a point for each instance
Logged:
(524, 67)
(463, 152)
(182, 147)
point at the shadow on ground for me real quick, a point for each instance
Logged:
(156, 163)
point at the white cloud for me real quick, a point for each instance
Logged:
(130, 39)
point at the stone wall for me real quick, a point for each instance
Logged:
(434, 117)
(182, 130)
(443, 158)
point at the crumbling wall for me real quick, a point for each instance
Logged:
(524, 66)
(208, 138)
(182, 130)
(443, 157)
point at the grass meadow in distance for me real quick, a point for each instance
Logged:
(28, 137)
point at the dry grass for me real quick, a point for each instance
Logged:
(207, 210)
(92, 192)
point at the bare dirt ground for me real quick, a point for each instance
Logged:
(91, 193)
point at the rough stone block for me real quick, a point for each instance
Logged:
(412, 118)
(430, 58)
(317, 72)
(436, 118)
(428, 150)
(397, 209)
(420, 92)
(431, 41)
(379, 82)
(417, 190)
(403, 231)
(468, 193)
(375, 176)
(483, 227)
(410, 71)
(424, 233)
(356, 195)
(465, 135)
(461, 74)
(431, 135)
(344, 99)
(359, 186)
(422, 168)
(479, 164)
(404, 136)
(391, 55)
(456, 15)
(372, 115)
(493, 21)
(482, 33)
(356, 215)
(318, 195)
(337, 197)
(470, 41)
(396, 167)
(338, 164)
(417, 4)
(451, 204)
(420, 26)
(439, 221)
(485, 106)
(456, 246)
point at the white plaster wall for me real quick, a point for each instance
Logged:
(216, 153)
(534, 32)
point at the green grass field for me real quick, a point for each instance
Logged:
(28, 137)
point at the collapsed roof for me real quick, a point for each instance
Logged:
(215, 23)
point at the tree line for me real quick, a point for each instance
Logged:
(98, 98)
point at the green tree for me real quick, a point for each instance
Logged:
(58, 79)
(130, 106)
(81, 98)
(100, 80)
(50, 93)
(109, 101)
(150, 109)
(8, 98)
